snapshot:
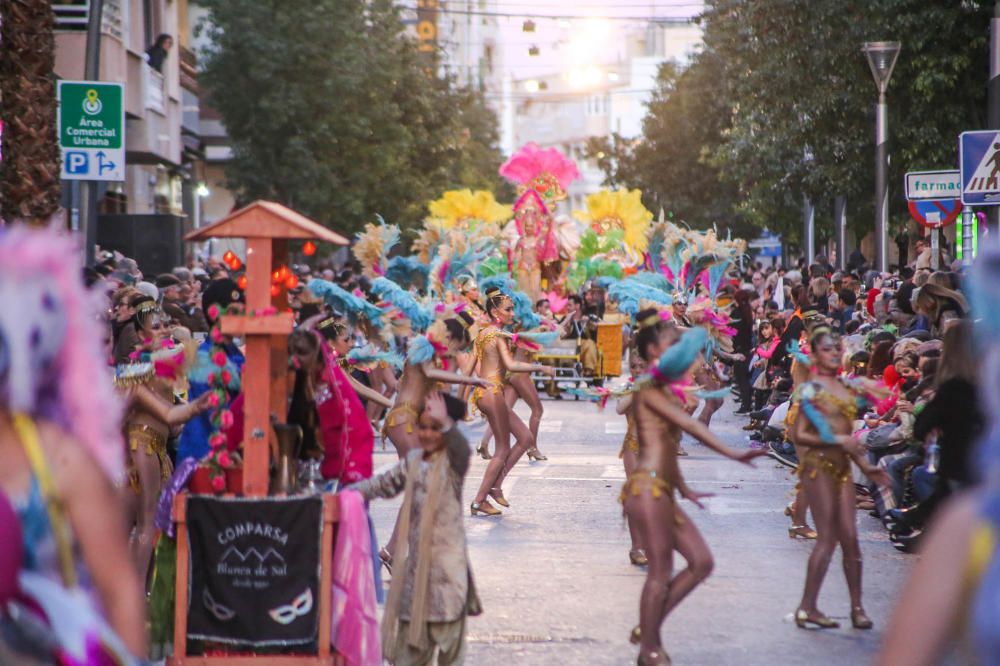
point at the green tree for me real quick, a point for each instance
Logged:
(779, 104)
(329, 111)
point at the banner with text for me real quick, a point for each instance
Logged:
(254, 570)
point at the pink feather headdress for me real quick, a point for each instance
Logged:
(51, 331)
(546, 171)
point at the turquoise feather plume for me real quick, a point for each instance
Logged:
(420, 351)
(676, 360)
(366, 356)
(408, 271)
(630, 294)
(420, 317)
(345, 302)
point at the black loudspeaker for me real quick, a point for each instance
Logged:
(156, 242)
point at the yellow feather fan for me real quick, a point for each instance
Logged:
(372, 247)
(465, 208)
(619, 209)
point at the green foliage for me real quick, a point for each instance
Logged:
(779, 104)
(330, 111)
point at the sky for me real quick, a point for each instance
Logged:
(572, 40)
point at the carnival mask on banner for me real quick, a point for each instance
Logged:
(259, 570)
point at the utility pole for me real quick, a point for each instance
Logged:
(91, 72)
(993, 94)
(840, 224)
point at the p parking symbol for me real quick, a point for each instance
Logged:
(77, 162)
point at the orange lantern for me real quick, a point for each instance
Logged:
(235, 264)
(275, 289)
(283, 273)
(241, 282)
(228, 257)
(292, 281)
(276, 276)
(309, 248)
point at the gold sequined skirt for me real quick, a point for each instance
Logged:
(836, 464)
(153, 444)
(497, 385)
(403, 413)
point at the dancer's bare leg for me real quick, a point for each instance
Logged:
(493, 406)
(655, 519)
(510, 397)
(628, 459)
(823, 498)
(522, 435)
(847, 531)
(692, 547)
(526, 390)
(148, 469)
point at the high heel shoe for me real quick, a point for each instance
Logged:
(637, 557)
(803, 621)
(484, 508)
(654, 658)
(497, 495)
(860, 619)
(789, 509)
(802, 532)
(484, 454)
(534, 454)
(635, 636)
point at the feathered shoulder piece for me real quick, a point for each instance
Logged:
(423, 349)
(372, 247)
(390, 292)
(622, 210)
(354, 307)
(468, 209)
(546, 171)
(454, 262)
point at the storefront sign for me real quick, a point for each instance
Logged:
(254, 570)
(427, 31)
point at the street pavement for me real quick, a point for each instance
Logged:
(557, 587)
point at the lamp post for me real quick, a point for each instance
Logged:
(881, 59)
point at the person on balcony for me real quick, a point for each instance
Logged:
(157, 53)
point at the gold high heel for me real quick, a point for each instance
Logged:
(802, 532)
(860, 619)
(788, 509)
(483, 452)
(654, 658)
(497, 495)
(637, 557)
(803, 621)
(534, 454)
(484, 508)
(635, 636)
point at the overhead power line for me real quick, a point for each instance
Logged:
(679, 20)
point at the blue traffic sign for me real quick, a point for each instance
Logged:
(979, 162)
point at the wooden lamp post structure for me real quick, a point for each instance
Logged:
(267, 228)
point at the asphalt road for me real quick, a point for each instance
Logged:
(557, 587)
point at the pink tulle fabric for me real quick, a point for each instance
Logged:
(354, 628)
(76, 391)
(532, 161)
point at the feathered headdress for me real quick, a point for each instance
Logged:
(452, 263)
(352, 306)
(465, 208)
(524, 311)
(546, 171)
(620, 209)
(51, 363)
(408, 271)
(373, 245)
(633, 296)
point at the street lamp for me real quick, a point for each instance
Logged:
(881, 58)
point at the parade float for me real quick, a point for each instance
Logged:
(254, 567)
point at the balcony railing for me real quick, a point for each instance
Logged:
(189, 69)
(72, 16)
(153, 85)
